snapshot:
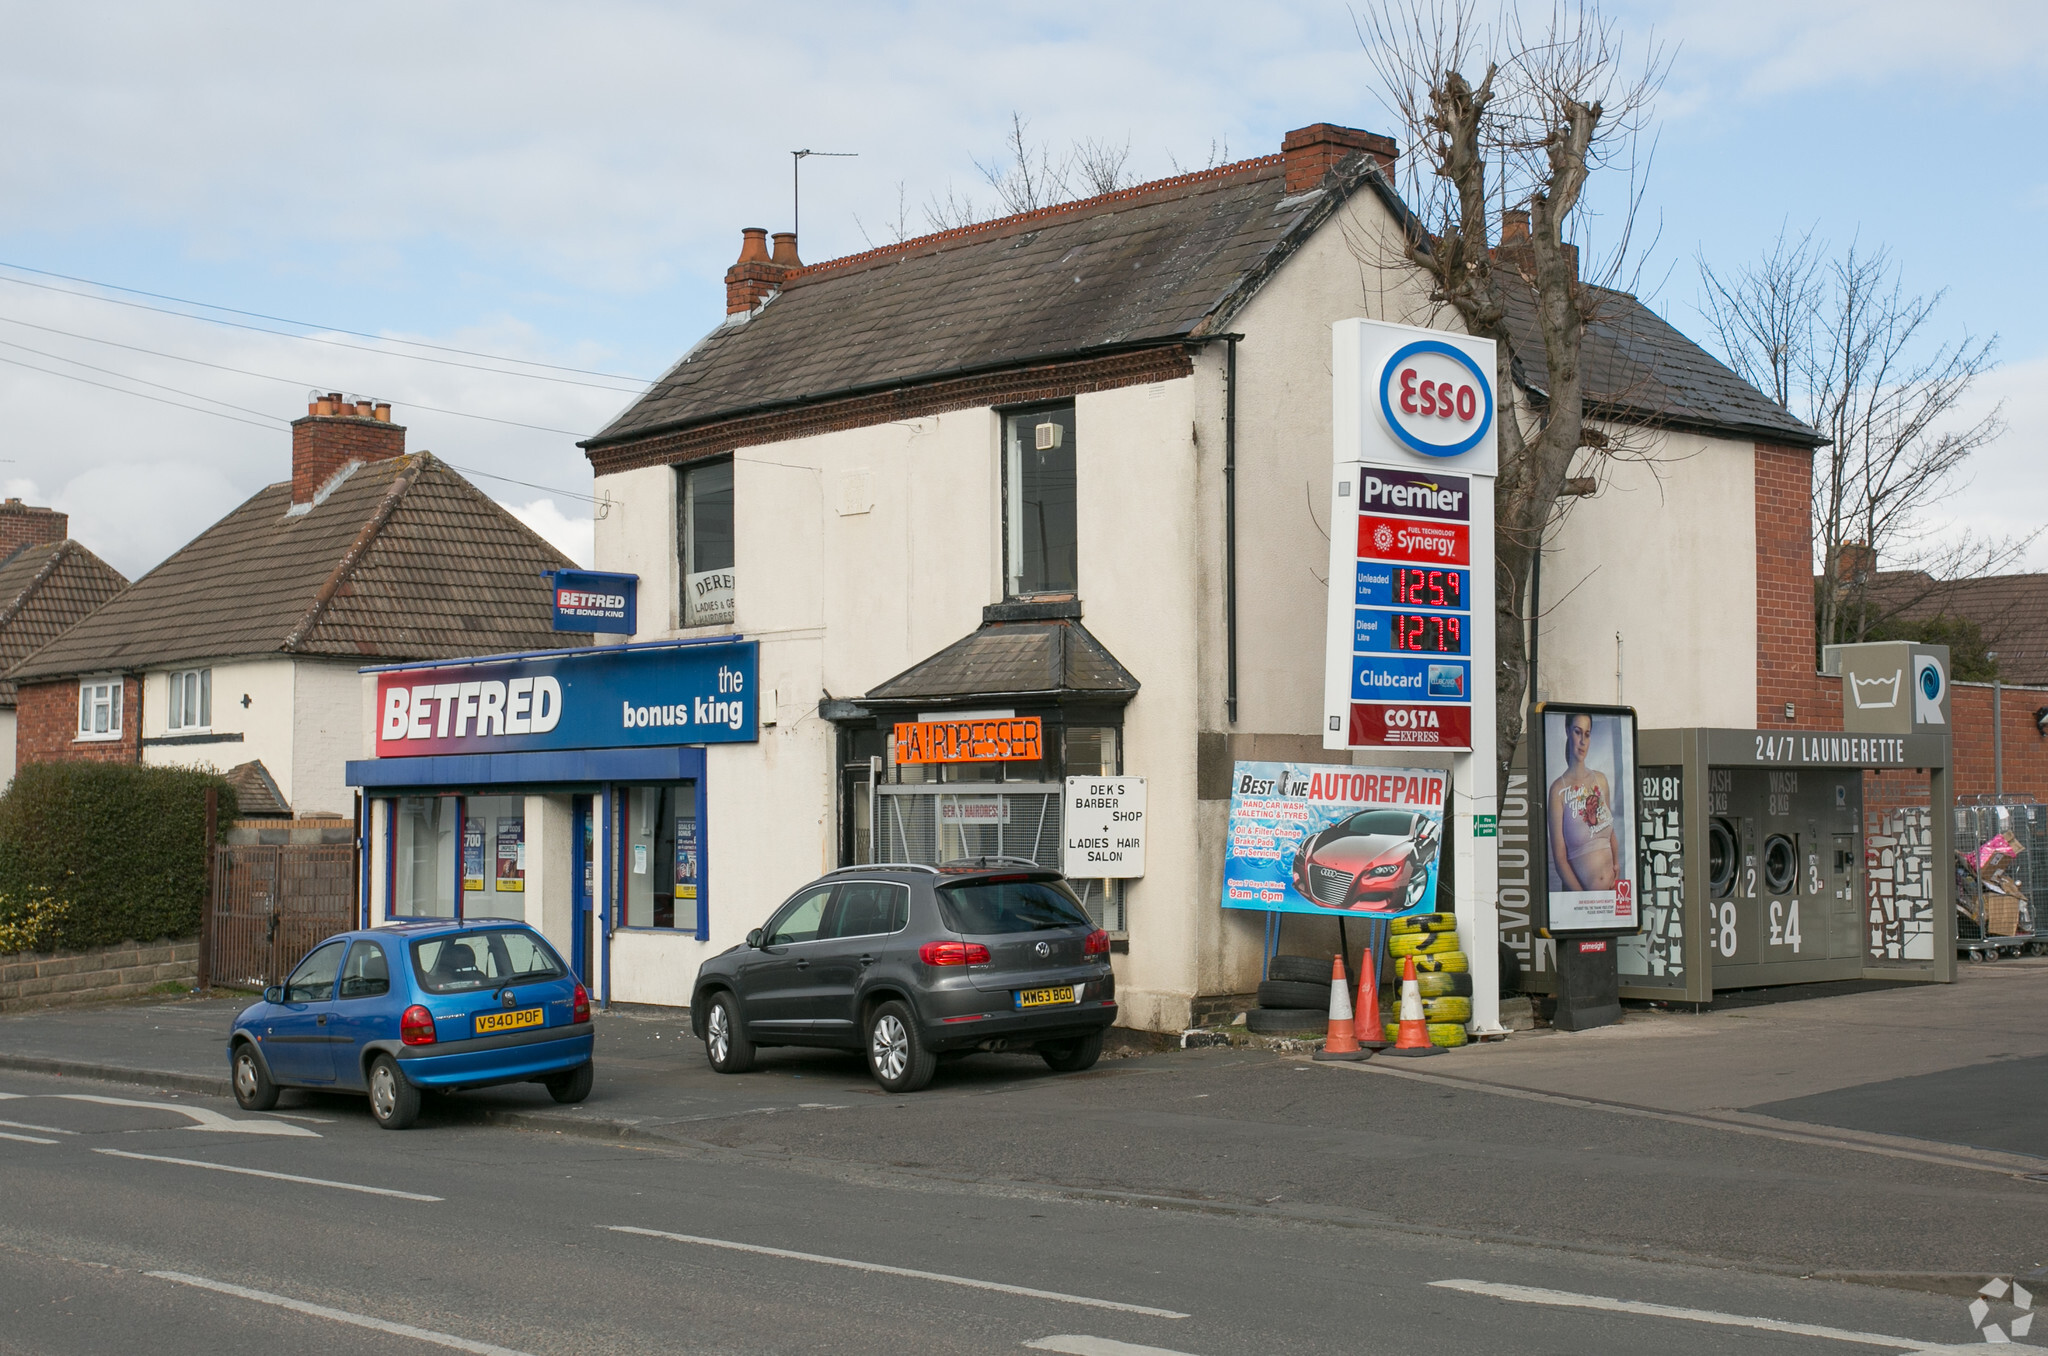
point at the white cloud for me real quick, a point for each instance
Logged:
(2004, 491)
(573, 537)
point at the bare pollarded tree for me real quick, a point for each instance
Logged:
(1837, 341)
(1507, 117)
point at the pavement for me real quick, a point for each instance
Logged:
(1896, 1138)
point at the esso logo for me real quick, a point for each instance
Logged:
(1435, 399)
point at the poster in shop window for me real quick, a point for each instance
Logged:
(686, 858)
(472, 854)
(1359, 842)
(512, 853)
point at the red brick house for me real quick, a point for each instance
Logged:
(48, 583)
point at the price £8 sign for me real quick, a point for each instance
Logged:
(1435, 399)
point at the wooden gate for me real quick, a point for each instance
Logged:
(271, 905)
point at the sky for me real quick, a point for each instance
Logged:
(561, 188)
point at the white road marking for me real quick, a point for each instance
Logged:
(295, 1116)
(46, 1129)
(883, 1270)
(1565, 1299)
(1074, 1344)
(274, 1176)
(442, 1339)
(26, 1139)
(206, 1120)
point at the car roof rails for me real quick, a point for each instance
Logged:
(977, 863)
(885, 866)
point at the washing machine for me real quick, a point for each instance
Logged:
(1784, 904)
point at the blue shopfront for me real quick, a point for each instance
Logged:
(567, 788)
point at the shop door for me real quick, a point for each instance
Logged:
(583, 872)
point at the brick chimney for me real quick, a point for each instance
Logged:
(336, 432)
(756, 276)
(1312, 152)
(27, 525)
(1855, 563)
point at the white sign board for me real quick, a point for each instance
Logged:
(1104, 822)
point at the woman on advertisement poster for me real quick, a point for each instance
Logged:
(1584, 850)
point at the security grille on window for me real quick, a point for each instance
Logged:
(704, 510)
(192, 700)
(99, 708)
(1039, 544)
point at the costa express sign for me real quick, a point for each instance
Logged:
(1004, 739)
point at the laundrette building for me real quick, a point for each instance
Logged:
(1070, 465)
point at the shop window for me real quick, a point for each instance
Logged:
(191, 706)
(1039, 544)
(99, 708)
(704, 512)
(493, 856)
(423, 857)
(662, 856)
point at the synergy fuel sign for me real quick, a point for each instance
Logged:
(1411, 534)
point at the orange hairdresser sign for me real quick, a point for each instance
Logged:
(1009, 739)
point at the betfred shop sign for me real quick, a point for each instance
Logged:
(571, 699)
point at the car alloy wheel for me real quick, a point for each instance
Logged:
(725, 1042)
(890, 1047)
(718, 1039)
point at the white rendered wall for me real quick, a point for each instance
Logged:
(328, 730)
(1664, 554)
(265, 724)
(7, 748)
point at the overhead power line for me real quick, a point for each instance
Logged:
(196, 409)
(315, 339)
(332, 329)
(246, 372)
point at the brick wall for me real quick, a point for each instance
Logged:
(46, 725)
(1785, 651)
(2026, 752)
(31, 979)
(27, 525)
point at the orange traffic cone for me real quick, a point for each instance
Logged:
(1342, 1040)
(1414, 1032)
(1369, 1002)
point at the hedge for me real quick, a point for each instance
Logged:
(121, 845)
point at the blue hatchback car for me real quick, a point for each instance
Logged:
(440, 1004)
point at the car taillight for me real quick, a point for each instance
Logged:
(1097, 944)
(953, 953)
(416, 1027)
(581, 1012)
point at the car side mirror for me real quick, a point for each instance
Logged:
(754, 939)
(274, 994)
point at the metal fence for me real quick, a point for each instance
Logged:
(271, 905)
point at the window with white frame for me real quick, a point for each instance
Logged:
(192, 700)
(99, 708)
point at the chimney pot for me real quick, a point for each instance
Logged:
(383, 411)
(336, 432)
(785, 250)
(756, 276)
(1310, 153)
(1514, 226)
(753, 245)
(363, 408)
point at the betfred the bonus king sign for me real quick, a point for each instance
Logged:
(1411, 537)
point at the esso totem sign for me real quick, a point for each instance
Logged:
(1414, 397)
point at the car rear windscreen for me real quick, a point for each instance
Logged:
(488, 958)
(1010, 906)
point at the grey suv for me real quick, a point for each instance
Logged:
(910, 962)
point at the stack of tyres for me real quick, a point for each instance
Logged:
(1441, 972)
(1294, 998)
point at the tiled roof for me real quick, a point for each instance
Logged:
(1015, 659)
(256, 794)
(44, 591)
(1156, 264)
(404, 559)
(2011, 612)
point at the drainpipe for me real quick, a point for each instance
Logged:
(1230, 526)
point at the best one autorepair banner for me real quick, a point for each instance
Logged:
(1318, 838)
(572, 699)
(1004, 739)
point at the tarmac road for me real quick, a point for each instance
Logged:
(541, 1243)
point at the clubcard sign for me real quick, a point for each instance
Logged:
(571, 699)
(1326, 839)
(1411, 537)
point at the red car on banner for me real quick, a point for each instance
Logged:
(1376, 861)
